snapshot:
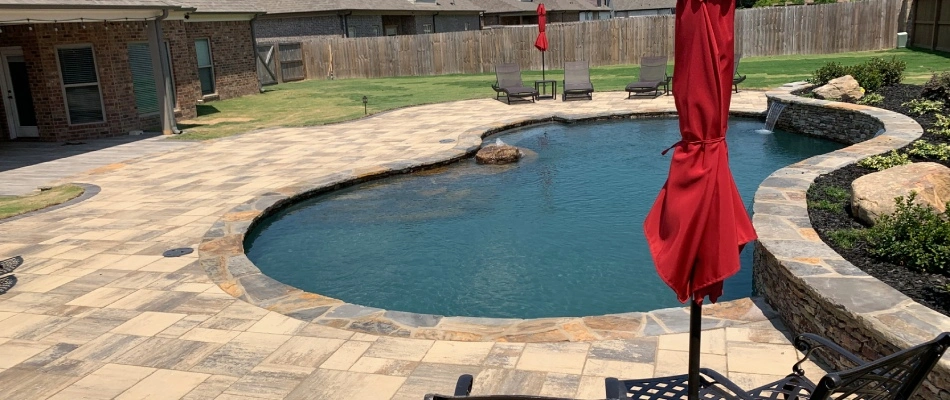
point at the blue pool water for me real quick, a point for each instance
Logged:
(558, 234)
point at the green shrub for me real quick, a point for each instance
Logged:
(872, 99)
(941, 126)
(892, 71)
(921, 106)
(837, 193)
(938, 88)
(885, 161)
(915, 236)
(828, 72)
(867, 76)
(847, 238)
(871, 75)
(934, 151)
(826, 205)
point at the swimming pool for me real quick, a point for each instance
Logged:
(558, 234)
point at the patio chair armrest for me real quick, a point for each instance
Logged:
(464, 385)
(808, 342)
(615, 389)
(718, 379)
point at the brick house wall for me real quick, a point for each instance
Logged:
(232, 53)
(363, 25)
(296, 29)
(270, 30)
(455, 23)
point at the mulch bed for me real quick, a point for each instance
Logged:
(925, 288)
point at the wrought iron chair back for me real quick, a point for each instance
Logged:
(896, 376)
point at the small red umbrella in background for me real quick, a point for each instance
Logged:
(699, 223)
(542, 42)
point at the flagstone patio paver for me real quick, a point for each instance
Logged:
(99, 313)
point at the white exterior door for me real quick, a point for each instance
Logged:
(17, 98)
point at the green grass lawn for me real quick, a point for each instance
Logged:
(317, 102)
(11, 206)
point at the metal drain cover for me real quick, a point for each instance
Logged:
(178, 252)
(446, 140)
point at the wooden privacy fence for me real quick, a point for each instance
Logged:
(813, 29)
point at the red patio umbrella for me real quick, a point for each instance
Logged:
(698, 223)
(542, 42)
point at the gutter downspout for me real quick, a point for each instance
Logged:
(163, 81)
(433, 22)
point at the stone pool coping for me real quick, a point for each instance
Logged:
(222, 256)
(813, 288)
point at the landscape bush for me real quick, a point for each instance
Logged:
(885, 161)
(915, 236)
(941, 126)
(938, 88)
(934, 151)
(872, 99)
(871, 75)
(923, 106)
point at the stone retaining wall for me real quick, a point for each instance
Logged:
(836, 121)
(812, 287)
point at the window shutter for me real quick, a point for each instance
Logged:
(143, 82)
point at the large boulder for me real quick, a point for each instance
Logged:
(497, 154)
(844, 88)
(873, 194)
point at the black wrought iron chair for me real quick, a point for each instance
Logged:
(736, 78)
(7, 266)
(652, 76)
(896, 377)
(509, 83)
(464, 386)
(577, 81)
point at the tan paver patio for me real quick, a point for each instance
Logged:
(99, 313)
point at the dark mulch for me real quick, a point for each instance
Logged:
(925, 288)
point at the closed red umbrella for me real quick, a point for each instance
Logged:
(698, 223)
(542, 42)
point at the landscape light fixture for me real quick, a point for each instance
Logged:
(365, 100)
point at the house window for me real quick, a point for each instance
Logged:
(205, 67)
(77, 66)
(391, 30)
(466, 26)
(375, 30)
(426, 28)
(351, 31)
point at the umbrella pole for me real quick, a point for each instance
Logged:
(695, 333)
(542, 65)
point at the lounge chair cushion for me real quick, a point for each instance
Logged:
(519, 90)
(578, 87)
(643, 86)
